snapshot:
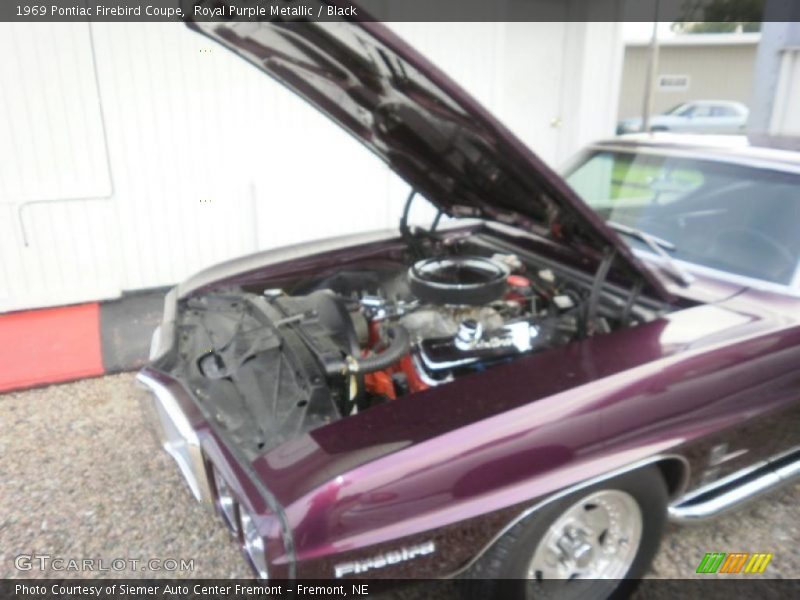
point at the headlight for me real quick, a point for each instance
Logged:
(253, 544)
(225, 501)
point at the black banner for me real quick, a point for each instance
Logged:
(399, 10)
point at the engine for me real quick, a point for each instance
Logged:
(273, 364)
(462, 314)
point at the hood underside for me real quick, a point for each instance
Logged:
(426, 128)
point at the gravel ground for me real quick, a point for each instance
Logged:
(80, 477)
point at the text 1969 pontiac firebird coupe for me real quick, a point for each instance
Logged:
(527, 393)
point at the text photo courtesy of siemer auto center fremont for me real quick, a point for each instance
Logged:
(438, 300)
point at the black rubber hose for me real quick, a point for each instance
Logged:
(398, 348)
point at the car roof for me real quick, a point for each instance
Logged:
(781, 152)
(716, 102)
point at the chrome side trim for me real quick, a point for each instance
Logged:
(718, 505)
(789, 472)
(722, 482)
(732, 492)
(722, 455)
(575, 488)
(177, 437)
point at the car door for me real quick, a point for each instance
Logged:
(675, 120)
(726, 119)
(772, 359)
(700, 119)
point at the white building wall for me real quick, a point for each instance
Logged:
(592, 79)
(717, 67)
(132, 155)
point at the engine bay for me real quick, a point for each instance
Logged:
(272, 365)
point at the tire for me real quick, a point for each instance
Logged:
(505, 571)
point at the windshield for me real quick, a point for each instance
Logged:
(677, 109)
(729, 217)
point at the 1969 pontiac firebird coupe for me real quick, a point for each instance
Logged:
(528, 393)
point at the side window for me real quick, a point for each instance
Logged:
(722, 111)
(702, 111)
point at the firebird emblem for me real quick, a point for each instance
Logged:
(384, 560)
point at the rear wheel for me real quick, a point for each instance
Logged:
(595, 543)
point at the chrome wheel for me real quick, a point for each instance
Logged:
(598, 537)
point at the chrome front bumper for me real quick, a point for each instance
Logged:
(171, 427)
(175, 434)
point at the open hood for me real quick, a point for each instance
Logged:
(426, 128)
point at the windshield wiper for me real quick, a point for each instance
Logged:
(660, 247)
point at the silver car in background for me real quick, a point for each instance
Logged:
(698, 116)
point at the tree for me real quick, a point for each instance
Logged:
(720, 16)
(715, 26)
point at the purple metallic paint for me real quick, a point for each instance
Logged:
(597, 405)
(456, 463)
(481, 448)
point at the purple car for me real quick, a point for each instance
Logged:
(526, 390)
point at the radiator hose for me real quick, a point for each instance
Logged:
(399, 344)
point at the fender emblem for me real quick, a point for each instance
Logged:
(384, 560)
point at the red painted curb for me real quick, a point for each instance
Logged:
(51, 345)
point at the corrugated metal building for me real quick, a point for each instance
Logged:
(690, 67)
(777, 84)
(132, 155)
